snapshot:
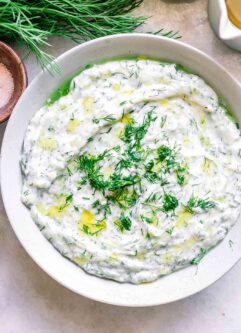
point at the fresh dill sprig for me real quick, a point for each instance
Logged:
(95, 229)
(108, 119)
(124, 198)
(123, 223)
(33, 22)
(89, 164)
(68, 201)
(102, 207)
(168, 158)
(153, 198)
(169, 202)
(146, 219)
(164, 153)
(163, 121)
(123, 164)
(169, 231)
(118, 182)
(151, 175)
(194, 202)
(134, 134)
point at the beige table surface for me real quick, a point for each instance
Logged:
(30, 301)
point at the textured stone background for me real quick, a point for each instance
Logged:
(30, 301)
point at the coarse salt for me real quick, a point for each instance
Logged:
(6, 85)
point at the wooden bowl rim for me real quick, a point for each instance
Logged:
(14, 58)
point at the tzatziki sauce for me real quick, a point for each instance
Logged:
(136, 172)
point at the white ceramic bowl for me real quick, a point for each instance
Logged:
(169, 288)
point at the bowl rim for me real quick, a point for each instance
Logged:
(17, 60)
(4, 184)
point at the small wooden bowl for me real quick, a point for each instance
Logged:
(16, 67)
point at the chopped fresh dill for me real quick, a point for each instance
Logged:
(199, 257)
(82, 182)
(123, 164)
(109, 119)
(100, 207)
(69, 171)
(150, 175)
(124, 198)
(135, 153)
(89, 164)
(164, 152)
(85, 229)
(90, 139)
(134, 134)
(146, 219)
(163, 121)
(168, 158)
(99, 226)
(170, 231)
(169, 202)
(106, 132)
(148, 236)
(153, 198)
(180, 179)
(123, 223)
(116, 148)
(68, 200)
(118, 182)
(163, 181)
(194, 202)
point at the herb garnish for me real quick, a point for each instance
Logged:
(150, 175)
(146, 219)
(164, 152)
(69, 171)
(124, 189)
(105, 208)
(199, 257)
(117, 181)
(170, 231)
(153, 198)
(68, 200)
(168, 158)
(194, 202)
(123, 223)
(169, 202)
(163, 121)
(124, 198)
(109, 119)
(89, 164)
(134, 134)
(94, 229)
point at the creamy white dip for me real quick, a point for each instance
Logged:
(136, 172)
